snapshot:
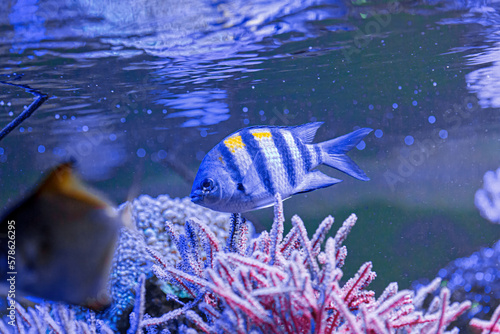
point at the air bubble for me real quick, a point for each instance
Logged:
(141, 153)
(409, 140)
(443, 134)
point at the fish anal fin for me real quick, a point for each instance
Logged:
(315, 180)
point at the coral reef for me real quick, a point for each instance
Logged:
(129, 262)
(131, 258)
(487, 199)
(272, 283)
(150, 215)
(286, 284)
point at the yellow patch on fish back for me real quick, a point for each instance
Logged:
(233, 143)
(261, 135)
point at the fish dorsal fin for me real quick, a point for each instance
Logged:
(306, 132)
(315, 180)
(63, 181)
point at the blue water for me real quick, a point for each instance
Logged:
(140, 90)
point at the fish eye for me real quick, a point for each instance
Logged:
(207, 184)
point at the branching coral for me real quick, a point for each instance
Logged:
(487, 199)
(286, 284)
(57, 319)
(488, 327)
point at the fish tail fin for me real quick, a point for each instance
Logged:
(334, 150)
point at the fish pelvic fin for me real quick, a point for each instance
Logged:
(306, 132)
(315, 180)
(334, 150)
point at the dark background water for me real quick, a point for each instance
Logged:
(140, 91)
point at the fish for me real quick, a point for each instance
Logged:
(248, 168)
(58, 242)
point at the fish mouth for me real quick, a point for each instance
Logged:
(196, 196)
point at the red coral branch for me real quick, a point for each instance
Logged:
(489, 327)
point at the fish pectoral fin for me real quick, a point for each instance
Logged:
(249, 185)
(251, 179)
(315, 180)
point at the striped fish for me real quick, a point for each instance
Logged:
(245, 170)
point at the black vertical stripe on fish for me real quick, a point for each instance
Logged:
(286, 156)
(304, 152)
(228, 158)
(318, 154)
(259, 159)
